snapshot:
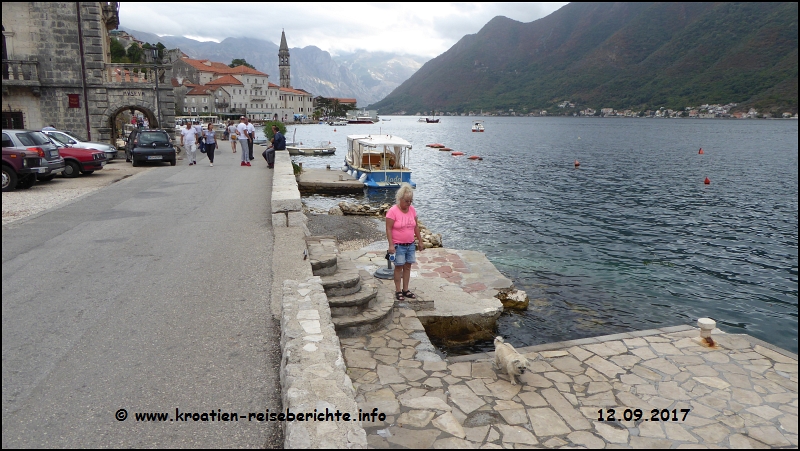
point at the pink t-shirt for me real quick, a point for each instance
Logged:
(404, 224)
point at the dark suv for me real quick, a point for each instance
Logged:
(151, 146)
(39, 143)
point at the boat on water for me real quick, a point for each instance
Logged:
(422, 119)
(378, 161)
(478, 126)
(362, 120)
(324, 148)
(338, 123)
(432, 120)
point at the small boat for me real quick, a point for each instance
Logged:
(338, 123)
(378, 161)
(422, 119)
(324, 148)
(478, 126)
(432, 120)
(361, 120)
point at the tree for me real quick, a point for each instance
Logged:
(240, 62)
(268, 128)
(134, 54)
(117, 51)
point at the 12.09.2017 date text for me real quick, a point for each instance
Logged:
(636, 415)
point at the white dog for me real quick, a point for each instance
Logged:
(508, 359)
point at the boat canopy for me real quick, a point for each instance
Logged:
(394, 147)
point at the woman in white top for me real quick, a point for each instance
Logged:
(233, 135)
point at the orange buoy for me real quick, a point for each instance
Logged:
(577, 163)
(334, 129)
(707, 181)
(457, 154)
(446, 149)
(475, 157)
(435, 145)
(701, 151)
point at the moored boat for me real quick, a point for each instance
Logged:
(478, 126)
(324, 148)
(378, 161)
(361, 120)
(339, 123)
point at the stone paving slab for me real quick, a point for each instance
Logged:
(742, 393)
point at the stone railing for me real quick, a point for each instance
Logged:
(136, 73)
(21, 72)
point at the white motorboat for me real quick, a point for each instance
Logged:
(478, 126)
(378, 161)
(324, 148)
(338, 123)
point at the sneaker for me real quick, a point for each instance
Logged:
(248, 164)
(211, 164)
(243, 164)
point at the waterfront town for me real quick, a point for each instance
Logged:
(151, 313)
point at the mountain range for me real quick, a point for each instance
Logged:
(616, 55)
(365, 76)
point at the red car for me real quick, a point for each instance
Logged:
(80, 161)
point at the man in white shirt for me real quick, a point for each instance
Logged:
(243, 140)
(251, 133)
(189, 142)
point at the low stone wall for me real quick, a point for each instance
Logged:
(312, 373)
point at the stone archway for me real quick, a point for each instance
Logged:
(109, 118)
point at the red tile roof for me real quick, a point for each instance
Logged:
(294, 91)
(220, 68)
(226, 80)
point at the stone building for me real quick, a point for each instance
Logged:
(57, 70)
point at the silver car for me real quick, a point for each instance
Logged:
(69, 140)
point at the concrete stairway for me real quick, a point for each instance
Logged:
(358, 303)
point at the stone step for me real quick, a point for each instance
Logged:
(353, 304)
(347, 280)
(369, 320)
(322, 253)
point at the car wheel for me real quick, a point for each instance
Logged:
(72, 169)
(26, 182)
(9, 179)
(46, 178)
(134, 163)
(173, 162)
(87, 172)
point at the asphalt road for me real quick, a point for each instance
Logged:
(149, 295)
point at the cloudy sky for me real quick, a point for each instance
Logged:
(426, 29)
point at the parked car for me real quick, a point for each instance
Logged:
(150, 145)
(80, 161)
(20, 167)
(70, 140)
(39, 143)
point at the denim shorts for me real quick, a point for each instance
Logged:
(405, 254)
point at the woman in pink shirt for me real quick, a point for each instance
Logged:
(401, 228)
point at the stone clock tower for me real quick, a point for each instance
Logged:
(283, 63)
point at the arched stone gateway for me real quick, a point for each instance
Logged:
(110, 116)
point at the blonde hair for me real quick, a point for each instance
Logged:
(404, 191)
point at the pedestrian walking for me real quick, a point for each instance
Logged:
(233, 134)
(402, 225)
(241, 130)
(189, 143)
(251, 135)
(199, 131)
(146, 124)
(211, 144)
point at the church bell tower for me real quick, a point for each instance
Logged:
(283, 63)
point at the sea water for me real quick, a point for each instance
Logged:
(632, 238)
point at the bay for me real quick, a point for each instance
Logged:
(632, 239)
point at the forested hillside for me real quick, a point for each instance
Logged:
(616, 55)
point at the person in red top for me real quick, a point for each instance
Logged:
(401, 228)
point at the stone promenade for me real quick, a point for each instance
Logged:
(741, 393)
